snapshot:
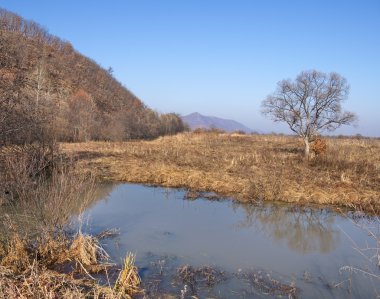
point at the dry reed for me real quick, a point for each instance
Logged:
(61, 268)
(128, 281)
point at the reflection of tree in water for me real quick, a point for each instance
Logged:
(101, 192)
(303, 230)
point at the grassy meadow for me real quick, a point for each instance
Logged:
(346, 173)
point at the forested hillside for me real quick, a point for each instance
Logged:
(49, 90)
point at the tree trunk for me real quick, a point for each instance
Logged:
(307, 147)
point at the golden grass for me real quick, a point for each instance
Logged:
(31, 269)
(248, 168)
(128, 281)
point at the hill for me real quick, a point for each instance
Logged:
(196, 120)
(49, 89)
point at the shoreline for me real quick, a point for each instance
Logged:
(243, 167)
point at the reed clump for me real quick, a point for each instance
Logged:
(345, 172)
(128, 281)
(60, 268)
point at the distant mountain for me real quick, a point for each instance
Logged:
(196, 120)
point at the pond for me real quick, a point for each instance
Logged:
(224, 249)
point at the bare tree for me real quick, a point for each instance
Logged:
(310, 104)
(82, 110)
(40, 73)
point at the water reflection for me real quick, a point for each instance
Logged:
(101, 193)
(239, 238)
(43, 213)
(304, 230)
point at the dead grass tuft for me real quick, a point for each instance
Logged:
(128, 281)
(15, 254)
(61, 268)
(84, 249)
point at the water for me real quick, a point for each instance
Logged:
(253, 245)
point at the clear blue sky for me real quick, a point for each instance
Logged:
(220, 57)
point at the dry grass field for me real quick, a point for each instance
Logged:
(245, 167)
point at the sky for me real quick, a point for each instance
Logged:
(220, 57)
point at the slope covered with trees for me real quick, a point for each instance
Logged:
(49, 90)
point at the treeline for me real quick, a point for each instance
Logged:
(49, 91)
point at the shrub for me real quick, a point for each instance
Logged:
(319, 146)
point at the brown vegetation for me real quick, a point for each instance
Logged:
(204, 275)
(264, 283)
(40, 190)
(128, 281)
(248, 168)
(49, 89)
(59, 267)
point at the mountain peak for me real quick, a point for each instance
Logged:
(196, 120)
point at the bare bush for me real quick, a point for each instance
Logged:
(319, 146)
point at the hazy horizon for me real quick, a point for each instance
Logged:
(222, 58)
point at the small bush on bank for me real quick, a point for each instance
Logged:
(319, 147)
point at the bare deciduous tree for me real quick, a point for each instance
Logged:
(310, 104)
(82, 110)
